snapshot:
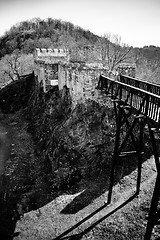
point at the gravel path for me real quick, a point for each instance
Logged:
(51, 221)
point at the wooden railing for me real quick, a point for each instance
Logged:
(147, 86)
(143, 96)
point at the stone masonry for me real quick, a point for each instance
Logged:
(52, 67)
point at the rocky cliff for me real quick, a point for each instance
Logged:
(72, 142)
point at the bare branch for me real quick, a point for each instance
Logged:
(112, 51)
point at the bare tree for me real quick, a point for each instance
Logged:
(14, 65)
(112, 52)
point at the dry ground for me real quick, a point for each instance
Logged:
(122, 219)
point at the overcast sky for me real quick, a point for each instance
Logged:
(136, 21)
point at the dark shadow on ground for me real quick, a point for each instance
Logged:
(97, 186)
(80, 235)
(94, 188)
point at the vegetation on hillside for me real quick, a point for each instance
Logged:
(148, 63)
(13, 66)
(44, 33)
(17, 46)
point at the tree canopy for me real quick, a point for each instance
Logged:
(43, 33)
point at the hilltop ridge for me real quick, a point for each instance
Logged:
(28, 35)
(44, 33)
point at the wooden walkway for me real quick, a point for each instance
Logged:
(143, 96)
(141, 100)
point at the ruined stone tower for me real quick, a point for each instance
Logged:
(54, 68)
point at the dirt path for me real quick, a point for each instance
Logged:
(126, 222)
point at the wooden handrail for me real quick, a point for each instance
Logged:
(133, 96)
(132, 87)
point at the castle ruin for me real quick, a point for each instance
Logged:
(53, 67)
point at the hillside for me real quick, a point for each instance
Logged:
(44, 33)
(83, 45)
(28, 35)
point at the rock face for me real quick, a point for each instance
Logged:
(72, 142)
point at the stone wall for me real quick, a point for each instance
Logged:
(53, 55)
(46, 65)
(81, 79)
(127, 69)
(15, 95)
(47, 73)
(52, 67)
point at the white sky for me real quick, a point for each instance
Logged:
(136, 21)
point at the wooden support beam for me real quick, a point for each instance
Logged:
(131, 153)
(144, 98)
